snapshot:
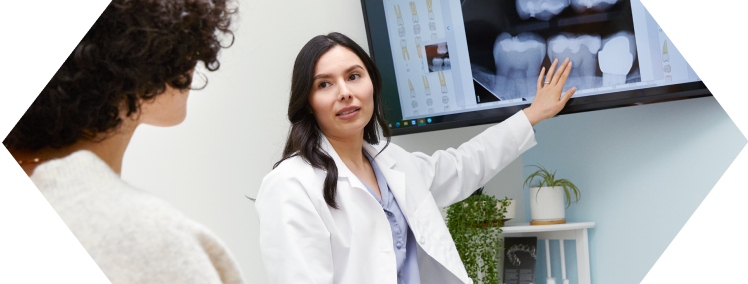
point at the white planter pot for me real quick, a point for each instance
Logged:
(511, 210)
(547, 205)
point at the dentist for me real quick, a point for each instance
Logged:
(341, 207)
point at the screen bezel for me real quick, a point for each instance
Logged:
(496, 115)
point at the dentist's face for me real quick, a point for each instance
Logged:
(342, 97)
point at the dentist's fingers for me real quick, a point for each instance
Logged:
(551, 71)
(559, 72)
(568, 94)
(562, 81)
(540, 78)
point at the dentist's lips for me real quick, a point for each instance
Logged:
(348, 112)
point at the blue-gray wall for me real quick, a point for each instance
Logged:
(642, 171)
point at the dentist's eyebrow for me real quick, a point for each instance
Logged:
(320, 76)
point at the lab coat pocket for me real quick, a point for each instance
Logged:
(430, 228)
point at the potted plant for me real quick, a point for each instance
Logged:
(475, 224)
(547, 197)
(510, 210)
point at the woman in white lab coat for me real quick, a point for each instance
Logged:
(341, 207)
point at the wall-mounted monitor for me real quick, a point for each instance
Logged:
(452, 63)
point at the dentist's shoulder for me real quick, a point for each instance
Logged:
(293, 178)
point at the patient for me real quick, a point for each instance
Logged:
(134, 66)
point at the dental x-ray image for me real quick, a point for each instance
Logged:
(540, 9)
(520, 57)
(509, 42)
(437, 57)
(597, 5)
(582, 51)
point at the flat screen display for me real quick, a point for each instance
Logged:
(452, 63)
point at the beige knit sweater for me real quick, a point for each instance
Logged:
(133, 236)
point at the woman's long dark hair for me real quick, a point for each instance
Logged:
(304, 136)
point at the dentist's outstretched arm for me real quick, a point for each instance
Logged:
(453, 174)
(547, 102)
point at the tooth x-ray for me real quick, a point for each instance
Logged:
(437, 57)
(582, 51)
(509, 42)
(517, 60)
(597, 5)
(540, 9)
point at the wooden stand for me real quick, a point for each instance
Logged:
(555, 222)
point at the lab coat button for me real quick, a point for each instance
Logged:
(399, 244)
(423, 240)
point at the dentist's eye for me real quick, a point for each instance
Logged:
(323, 85)
(354, 77)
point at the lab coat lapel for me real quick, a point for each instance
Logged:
(343, 170)
(395, 179)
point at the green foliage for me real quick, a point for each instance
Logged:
(547, 179)
(475, 225)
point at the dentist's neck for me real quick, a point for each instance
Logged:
(349, 148)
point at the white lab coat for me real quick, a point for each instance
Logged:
(304, 241)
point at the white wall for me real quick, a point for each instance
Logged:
(507, 183)
(236, 127)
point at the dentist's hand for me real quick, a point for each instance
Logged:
(548, 101)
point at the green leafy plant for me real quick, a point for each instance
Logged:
(475, 224)
(547, 179)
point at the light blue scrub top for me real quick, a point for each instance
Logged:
(403, 240)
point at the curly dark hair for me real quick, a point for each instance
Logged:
(132, 51)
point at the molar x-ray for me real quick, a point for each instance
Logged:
(437, 63)
(617, 57)
(431, 9)
(437, 57)
(597, 5)
(582, 52)
(414, 11)
(441, 48)
(518, 60)
(540, 9)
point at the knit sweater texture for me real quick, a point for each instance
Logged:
(133, 236)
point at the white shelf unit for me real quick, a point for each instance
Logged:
(560, 232)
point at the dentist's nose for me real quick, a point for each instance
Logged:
(345, 93)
